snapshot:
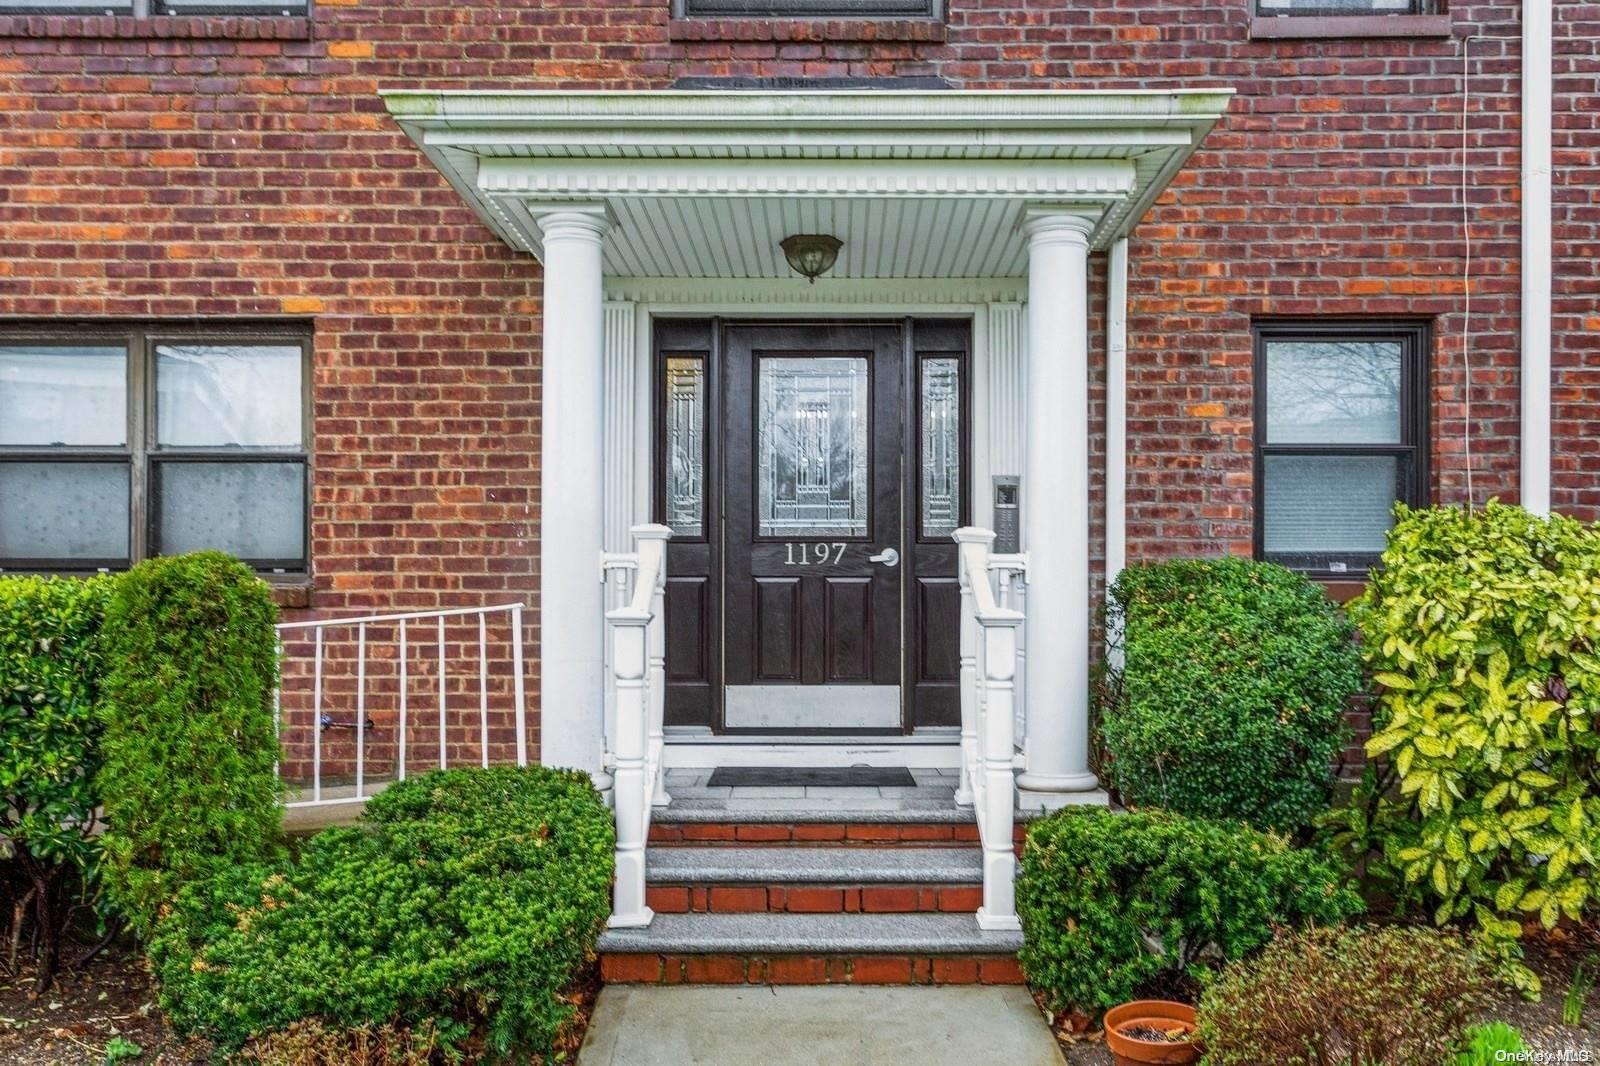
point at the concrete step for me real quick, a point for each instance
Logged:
(810, 949)
(820, 828)
(814, 880)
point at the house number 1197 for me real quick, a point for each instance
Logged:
(798, 554)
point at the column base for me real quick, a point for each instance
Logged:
(1049, 792)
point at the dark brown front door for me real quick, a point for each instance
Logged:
(813, 545)
(812, 473)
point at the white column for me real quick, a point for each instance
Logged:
(571, 500)
(1055, 504)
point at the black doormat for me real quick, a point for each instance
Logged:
(821, 776)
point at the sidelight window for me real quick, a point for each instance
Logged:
(1340, 437)
(115, 446)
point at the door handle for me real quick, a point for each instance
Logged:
(888, 557)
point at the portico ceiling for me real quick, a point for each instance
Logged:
(705, 184)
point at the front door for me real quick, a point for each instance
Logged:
(813, 529)
(812, 473)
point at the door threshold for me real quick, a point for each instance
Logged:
(935, 752)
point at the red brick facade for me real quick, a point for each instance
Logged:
(235, 168)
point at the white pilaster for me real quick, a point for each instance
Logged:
(1055, 505)
(571, 501)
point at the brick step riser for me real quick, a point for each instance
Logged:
(763, 969)
(668, 898)
(820, 834)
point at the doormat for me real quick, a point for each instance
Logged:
(820, 776)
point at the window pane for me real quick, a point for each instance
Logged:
(252, 510)
(63, 395)
(686, 447)
(212, 395)
(811, 445)
(1328, 505)
(941, 447)
(1333, 392)
(64, 511)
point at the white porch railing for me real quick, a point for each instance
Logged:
(636, 646)
(397, 647)
(991, 632)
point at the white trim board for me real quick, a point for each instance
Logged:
(823, 752)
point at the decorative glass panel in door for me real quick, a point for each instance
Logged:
(812, 450)
(941, 446)
(686, 446)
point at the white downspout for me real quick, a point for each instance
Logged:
(1537, 94)
(1116, 410)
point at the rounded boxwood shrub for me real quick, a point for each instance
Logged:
(1115, 905)
(1483, 629)
(1229, 696)
(1369, 996)
(50, 667)
(463, 905)
(189, 781)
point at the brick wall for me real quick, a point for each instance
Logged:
(191, 167)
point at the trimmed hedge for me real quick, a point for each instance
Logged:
(189, 780)
(1230, 699)
(1483, 629)
(463, 905)
(1115, 905)
(50, 667)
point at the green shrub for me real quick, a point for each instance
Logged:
(463, 905)
(311, 1043)
(1491, 1044)
(1230, 699)
(1114, 905)
(50, 667)
(189, 780)
(1484, 631)
(1366, 996)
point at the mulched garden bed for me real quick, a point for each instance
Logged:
(75, 1021)
(1553, 956)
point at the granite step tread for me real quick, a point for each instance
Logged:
(811, 934)
(814, 865)
(798, 811)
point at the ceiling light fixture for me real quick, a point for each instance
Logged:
(811, 254)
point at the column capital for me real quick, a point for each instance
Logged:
(571, 221)
(1067, 223)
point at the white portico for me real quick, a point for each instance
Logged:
(975, 207)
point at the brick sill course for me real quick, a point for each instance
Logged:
(295, 592)
(1290, 27)
(166, 27)
(803, 30)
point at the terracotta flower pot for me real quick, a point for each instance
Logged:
(1156, 1014)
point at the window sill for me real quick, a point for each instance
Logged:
(806, 30)
(1296, 27)
(291, 592)
(159, 27)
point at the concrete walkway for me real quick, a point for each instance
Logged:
(805, 1025)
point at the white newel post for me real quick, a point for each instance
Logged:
(999, 910)
(630, 673)
(571, 504)
(1055, 504)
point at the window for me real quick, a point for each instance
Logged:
(1344, 7)
(802, 9)
(1341, 434)
(119, 445)
(144, 8)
